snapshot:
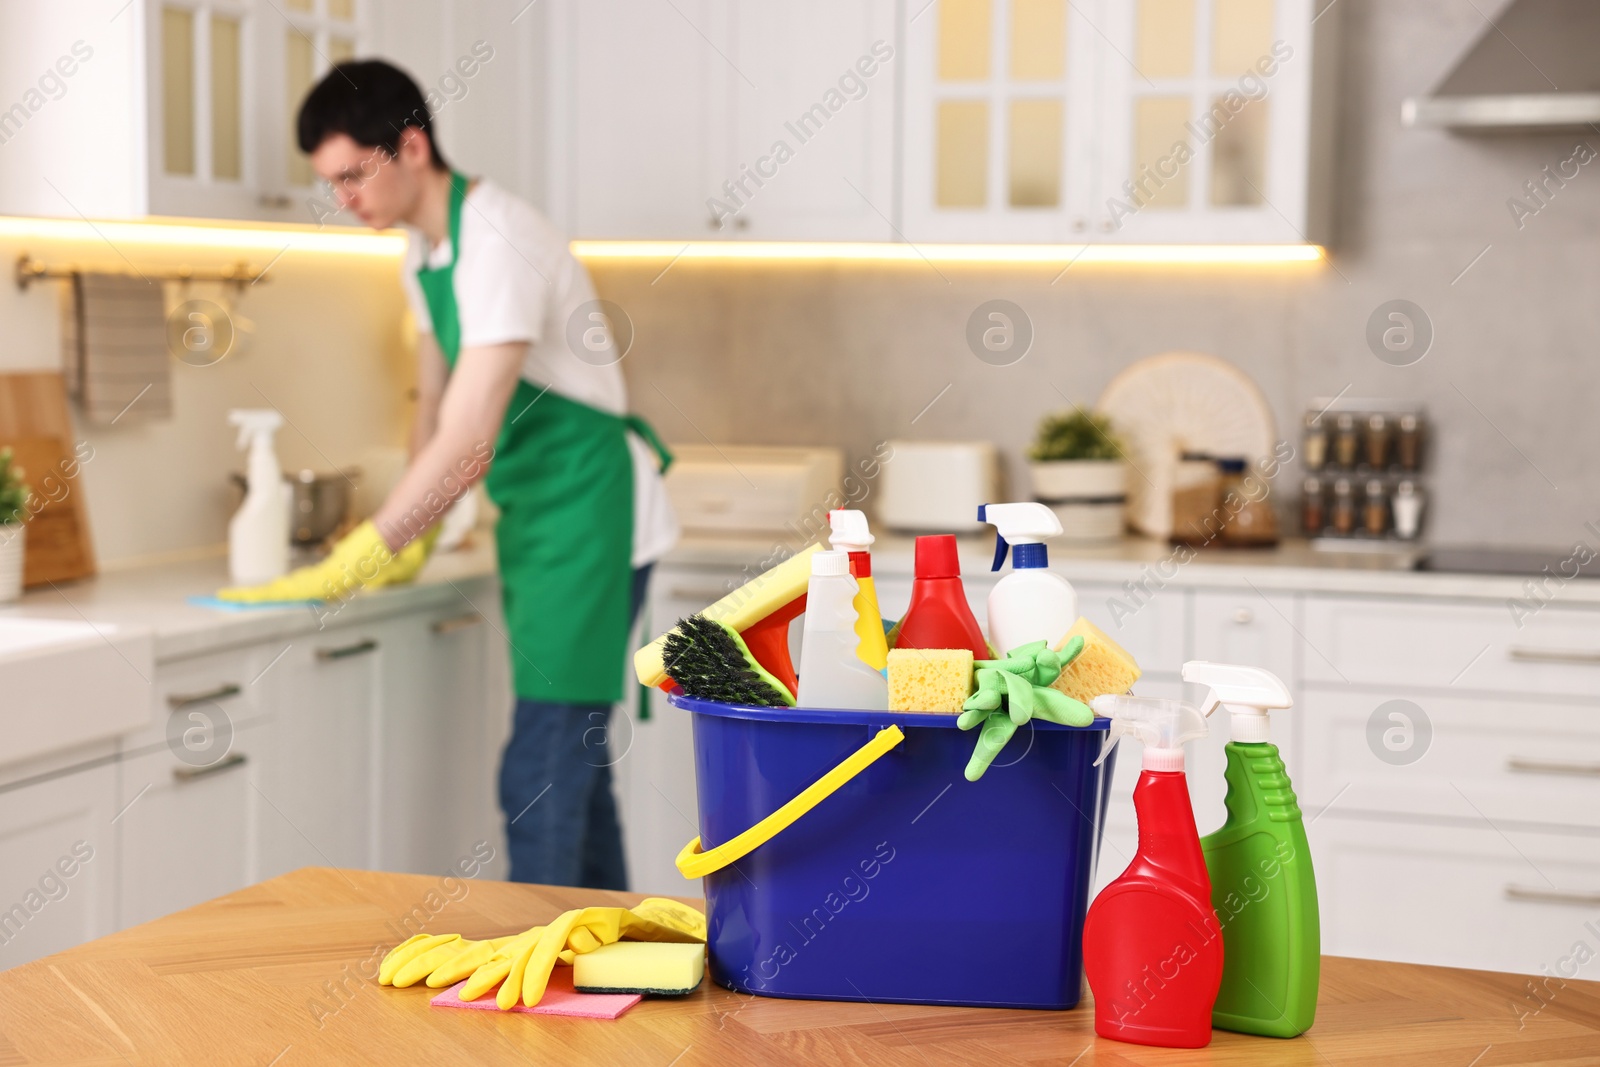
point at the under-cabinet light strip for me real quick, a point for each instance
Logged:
(1061, 255)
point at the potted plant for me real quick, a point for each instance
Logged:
(1077, 467)
(13, 535)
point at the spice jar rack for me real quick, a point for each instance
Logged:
(1364, 465)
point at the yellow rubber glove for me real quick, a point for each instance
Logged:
(444, 964)
(521, 966)
(359, 559)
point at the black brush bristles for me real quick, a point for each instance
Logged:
(711, 662)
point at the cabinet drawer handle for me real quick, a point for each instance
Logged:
(179, 701)
(459, 622)
(189, 774)
(360, 648)
(1551, 896)
(1243, 616)
(1555, 655)
(279, 200)
(1543, 766)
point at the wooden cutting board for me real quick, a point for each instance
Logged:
(36, 424)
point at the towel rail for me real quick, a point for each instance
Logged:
(240, 273)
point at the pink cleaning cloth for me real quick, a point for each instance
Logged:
(559, 999)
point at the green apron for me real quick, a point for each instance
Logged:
(562, 478)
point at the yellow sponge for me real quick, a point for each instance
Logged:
(661, 967)
(929, 679)
(1102, 667)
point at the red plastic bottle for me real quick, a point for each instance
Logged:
(939, 616)
(1152, 948)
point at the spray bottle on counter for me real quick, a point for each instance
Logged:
(1262, 885)
(851, 535)
(258, 534)
(1032, 603)
(831, 675)
(1152, 949)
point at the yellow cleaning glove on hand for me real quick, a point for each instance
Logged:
(361, 558)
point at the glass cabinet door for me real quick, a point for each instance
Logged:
(997, 110)
(316, 35)
(1206, 121)
(198, 115)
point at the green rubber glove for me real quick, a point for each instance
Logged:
(1015, 690)
(361, 558)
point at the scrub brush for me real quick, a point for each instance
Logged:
(711, 662)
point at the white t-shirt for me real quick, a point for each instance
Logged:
(516, 280)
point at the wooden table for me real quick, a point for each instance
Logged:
(273, 975)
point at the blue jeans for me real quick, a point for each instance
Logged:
(555, 790)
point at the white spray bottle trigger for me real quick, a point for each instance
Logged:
(1023, 523)
(254, 421)
(849, 530)
(1248, 693)
(1163, 726)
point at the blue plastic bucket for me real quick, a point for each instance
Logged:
(908, 883)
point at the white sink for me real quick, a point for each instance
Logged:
(65, 683)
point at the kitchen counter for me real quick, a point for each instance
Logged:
(274, 974)
(156, 598)
(1154, 565)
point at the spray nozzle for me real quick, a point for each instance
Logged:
(850, 532)
(1247, 692)
(1022, 523)
(1162, 724)
(254, 423)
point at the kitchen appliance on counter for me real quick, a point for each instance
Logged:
(754, 489)
(936, 486)
(1517, 562)
(1364, 463)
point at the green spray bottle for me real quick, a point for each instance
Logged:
(1262, 886)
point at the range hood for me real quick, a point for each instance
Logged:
(1535, 69)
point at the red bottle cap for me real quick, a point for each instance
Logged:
(937, 557)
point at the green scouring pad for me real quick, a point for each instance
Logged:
(655, 967)
(711, 662)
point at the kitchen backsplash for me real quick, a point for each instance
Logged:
(328, 351)
(780, 353)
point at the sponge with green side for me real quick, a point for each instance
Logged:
(660, 968)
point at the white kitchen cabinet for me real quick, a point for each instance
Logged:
(653, 770)
(171, 107)
(1481, 896)
(812, 90)
(319, 783)
(484, 68)
(642, 116)
(436, 760)
(58, 880)
(698, 95)
(1132, 121)
(190, 830)
(1462, 646)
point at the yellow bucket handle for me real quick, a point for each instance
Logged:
(693, 863)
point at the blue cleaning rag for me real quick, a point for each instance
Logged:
(218, 604)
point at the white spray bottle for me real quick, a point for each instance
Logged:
(831, 674)
(1032, 603)
(258, 535)
(850, 534)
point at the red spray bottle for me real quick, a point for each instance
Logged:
(1152, 949)
(939, 616)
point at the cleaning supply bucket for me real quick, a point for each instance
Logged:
(846, 857)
